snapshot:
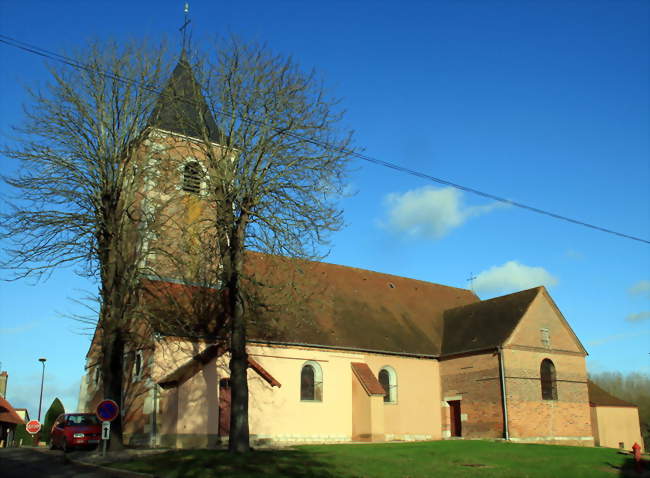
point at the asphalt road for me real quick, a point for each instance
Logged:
(30, 463)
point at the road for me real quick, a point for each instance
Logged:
(30, 463)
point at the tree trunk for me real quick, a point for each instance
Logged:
(238, 441)
(112, 363)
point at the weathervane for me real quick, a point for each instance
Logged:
(183, 29)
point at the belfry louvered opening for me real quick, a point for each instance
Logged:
(192, 177)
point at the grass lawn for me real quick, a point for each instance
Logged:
(393, 460)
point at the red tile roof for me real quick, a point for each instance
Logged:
(8, 414)
(367, 379)
(262, 372)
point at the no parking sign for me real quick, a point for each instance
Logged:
(107, 410)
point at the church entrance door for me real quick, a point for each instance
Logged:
(224, 407)
(454, 416)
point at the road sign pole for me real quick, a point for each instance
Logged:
(106, 411)
(106, 435)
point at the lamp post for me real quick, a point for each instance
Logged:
(40, 402)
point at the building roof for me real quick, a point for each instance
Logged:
(367, 379)
(601, 398)
(8, 414)
(320, 304)
(182, 109)
(484, 325)
(345, 307)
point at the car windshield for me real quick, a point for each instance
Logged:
(81, 420)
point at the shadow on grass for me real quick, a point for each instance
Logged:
(288, 463)
(628, 469)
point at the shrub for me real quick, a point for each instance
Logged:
(53, 412)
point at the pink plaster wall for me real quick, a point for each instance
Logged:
(278, 414)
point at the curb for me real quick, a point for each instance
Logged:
(104, 469)
(107, 469)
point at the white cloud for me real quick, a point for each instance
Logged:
(20, 329)
(616, 337)
(575, 255)
(430, 212)
(638, 317)
(512, 276)
(641, 288)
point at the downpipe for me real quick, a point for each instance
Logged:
(502, 376)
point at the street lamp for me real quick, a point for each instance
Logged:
(40, 402)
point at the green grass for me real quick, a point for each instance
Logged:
(393, 460)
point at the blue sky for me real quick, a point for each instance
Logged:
(545, 103)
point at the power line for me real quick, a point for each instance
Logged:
(387, 164)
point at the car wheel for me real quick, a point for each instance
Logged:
(52, 445)
(65, 447)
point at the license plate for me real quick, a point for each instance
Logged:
(93, 442)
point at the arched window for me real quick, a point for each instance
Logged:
(311, 382)
(388, 380)
(192, 176)
(549, 385)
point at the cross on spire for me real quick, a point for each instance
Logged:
(183, 28)
(470, 279)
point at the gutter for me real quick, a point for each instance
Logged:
(338, 347)
(502, 377)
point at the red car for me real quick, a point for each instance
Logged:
(75, 430)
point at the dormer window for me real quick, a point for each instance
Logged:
(192, 176)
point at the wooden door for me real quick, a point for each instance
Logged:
(224, 407)
(454, 417)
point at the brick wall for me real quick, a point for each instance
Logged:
(565, 420)
(474, 380)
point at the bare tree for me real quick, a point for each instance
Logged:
(79, 189)
(272, 183)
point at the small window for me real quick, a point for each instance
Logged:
(192, 175)
(545, 338)
(137, 365)
(388, 380)
(311, 382)
(549, 385)
(98, 374)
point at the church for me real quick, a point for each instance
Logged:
(357, 355)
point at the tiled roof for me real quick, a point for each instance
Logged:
(601, 398)
(331, 305)
(320, 304)
(8, 414)
(367, 379)
(486, 324)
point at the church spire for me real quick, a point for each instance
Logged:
(181, 107)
